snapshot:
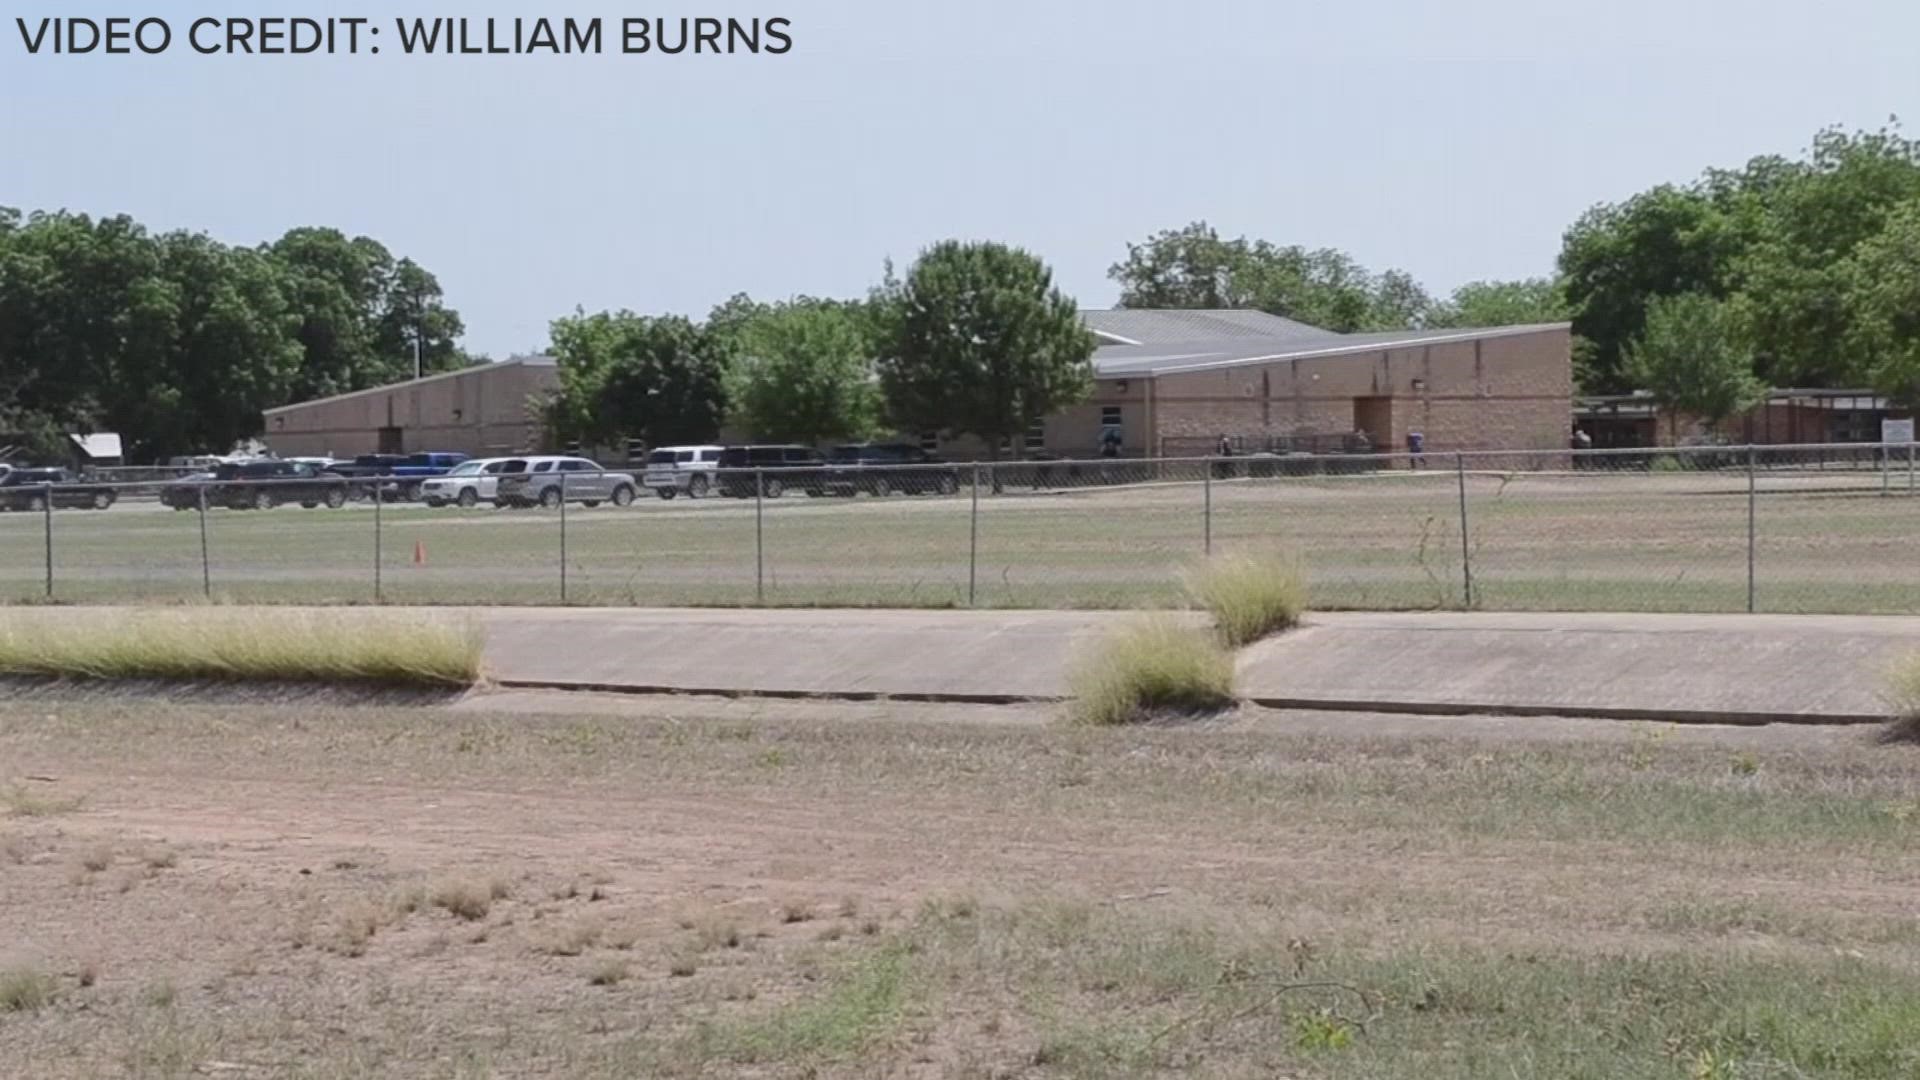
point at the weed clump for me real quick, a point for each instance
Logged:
(1148, 670)
(1251, 595)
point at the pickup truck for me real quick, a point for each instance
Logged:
(880, 469)
(400, 476)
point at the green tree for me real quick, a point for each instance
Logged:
(982, 342)
(1692, 357)
(803, 372)
(627, 376)
(1503, 303)
(1883, 305)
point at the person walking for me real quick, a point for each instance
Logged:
(1416, 450)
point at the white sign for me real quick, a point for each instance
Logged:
(1896, 431)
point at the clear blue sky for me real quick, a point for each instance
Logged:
(1453, 140)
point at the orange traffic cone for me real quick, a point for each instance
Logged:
(419, 553)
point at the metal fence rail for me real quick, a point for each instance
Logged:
(1820, 528)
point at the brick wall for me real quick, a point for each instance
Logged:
(1502, 393)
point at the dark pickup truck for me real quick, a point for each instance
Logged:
(400, 474)
(28, 489)
(258, 485)
(880, 469)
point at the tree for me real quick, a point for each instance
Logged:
(1194, 268)
(1691, 356)
(983, 343)
(1503, 303)
(627, 376)
(803, 372)
(1883, 305)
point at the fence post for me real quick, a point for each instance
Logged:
(206, 564)
(1753, 501)
(1909, 468)
(46, 514)
(1206, 511)
(563, 539)
(973, 538)
(1466, 549)
(759, 537)
(1886, 470)
(377, 499)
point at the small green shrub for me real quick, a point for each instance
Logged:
(1151, 668)
(1250, 594)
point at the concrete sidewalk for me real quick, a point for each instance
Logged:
(1700, 668)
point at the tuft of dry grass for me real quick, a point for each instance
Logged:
(1903, 696)
(97, 858)
(1251, 595)
(211, 644)
(609, 972)
(714, 932)
(25, 990)
(354, 928)
(1149, 669)
(571, 940)
(467, 899)
(23, 802)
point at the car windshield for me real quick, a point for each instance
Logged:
(465, 468)
(660, 457)
(226, 472)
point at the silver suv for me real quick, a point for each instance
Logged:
(674, 469)
(548, 481)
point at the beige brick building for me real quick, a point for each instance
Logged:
(1175, 383)
(480, 410)
(1171, 383)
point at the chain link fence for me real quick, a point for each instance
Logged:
(1825, 528)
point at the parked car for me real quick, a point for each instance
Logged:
(675, 469)
(26, 489)
(784, 467)
(548, 481)
(883, 468)
(258, 485)
(412, 471)
(469, 483)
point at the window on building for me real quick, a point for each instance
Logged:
(1037, 435)
(1109, 416)
(930, 441)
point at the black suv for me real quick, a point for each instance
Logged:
(784, 467)
(26, 489)
(259, 485)
(883, 468)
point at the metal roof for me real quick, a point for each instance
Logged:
(1118, 361)
(497, 365)
(1133, 326)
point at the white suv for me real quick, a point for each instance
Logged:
(674, 469)
(469, 483)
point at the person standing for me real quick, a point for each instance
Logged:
(1416, 449)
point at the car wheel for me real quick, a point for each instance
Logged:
(262, 500)
(775, 488)
(410, 493)
(336, 499)
(665, 493)
(550, 498)
(623, 496)
(102, 500)
(697, 488)
(468, 499)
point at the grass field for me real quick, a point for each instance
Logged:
(524, 885)
(1536, 541)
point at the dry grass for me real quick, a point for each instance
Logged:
(210, 644)
(609, 972)
(570, 940)
(1251, 594)
(1903, 696)
(25, 990)
(25, 802)
(1150, 669)
(468, 899)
